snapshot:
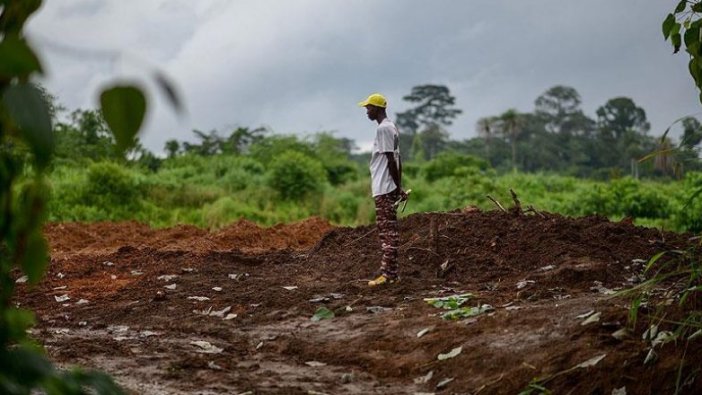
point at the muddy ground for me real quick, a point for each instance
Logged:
(182, 310)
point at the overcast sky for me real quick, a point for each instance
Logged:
(300, 66)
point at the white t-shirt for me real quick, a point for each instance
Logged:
(387, 139)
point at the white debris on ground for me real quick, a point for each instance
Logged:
(62, 298)
(206, 347)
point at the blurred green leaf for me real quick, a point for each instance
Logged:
(697, 7)
(692, 40)
(634, 310)
(697, 192)
(677, 42)
(681, 6)
(656, 153)
(653, 260)
(22, 369)
(693, 67)
(18, 321)
(322, 313)
(16, 13)
(123, 108)
(449, 302)
(36, 257)
(169, 90)
(28, 109)
(18, 59)
(668, 25)
(101, 383)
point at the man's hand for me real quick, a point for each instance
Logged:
(404, 195)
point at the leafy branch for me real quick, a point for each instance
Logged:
(684, 25)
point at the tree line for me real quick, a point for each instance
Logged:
(557, 136)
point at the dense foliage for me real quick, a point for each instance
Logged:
(556, 158)
(683, 26)
(215, 190)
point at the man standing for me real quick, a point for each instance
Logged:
(386, 185)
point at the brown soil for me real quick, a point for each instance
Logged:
(539, 274)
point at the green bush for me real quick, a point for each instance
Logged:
(226, 173)
(596, 200)
(447, 164)
(410, 170)
(236, 180)
(227, 210)
(645, 202)
(269, 148)
(624, 197)
(468, 186)
(296, 176)
(341, 207)
(109, 184)
(348, 204)
(172, 194)
(106, 191)
(341, 171)
(688, 211)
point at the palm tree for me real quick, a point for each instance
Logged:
(511, 123)
(172, 148)
(484, 127)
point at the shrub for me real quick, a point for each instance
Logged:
(269, 148)
(446, 164)
(226, 210)
(410, 170)
(632, 198)
(688, 211)
(340, 207)
(623, 197)
(596, 200)
(468, 186)
(109, 184)
(341, 171)
(295, 176)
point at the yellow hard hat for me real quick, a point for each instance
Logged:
(375, 99)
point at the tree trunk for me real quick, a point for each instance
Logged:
(514, 154)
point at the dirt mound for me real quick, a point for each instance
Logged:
(105, 237)
(488, 246)
(247, 236)
(142, 301)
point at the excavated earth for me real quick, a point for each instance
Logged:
(183, 310)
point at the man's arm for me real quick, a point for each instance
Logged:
(394, 171)
(387, 144)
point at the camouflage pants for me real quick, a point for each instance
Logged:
(388, 232)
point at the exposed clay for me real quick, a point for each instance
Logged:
(539, 274)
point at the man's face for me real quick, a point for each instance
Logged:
(372, 112)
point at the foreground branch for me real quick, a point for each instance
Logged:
(497, 203)
(517, 203)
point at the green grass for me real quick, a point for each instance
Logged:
(214, 191)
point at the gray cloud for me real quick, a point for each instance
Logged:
(301, 66)
(80, 7)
